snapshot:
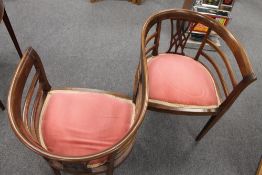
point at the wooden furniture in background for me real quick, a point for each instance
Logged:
(182, 22)
(136, 1)
(27, 123)
(4, 17)
(188, 4)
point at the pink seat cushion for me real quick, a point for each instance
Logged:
(81, 123)
(180, 80)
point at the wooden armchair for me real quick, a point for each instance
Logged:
(4, 17)
(80, 131)
(184, 84)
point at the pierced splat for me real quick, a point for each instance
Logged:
(155, 37)
(179, 36)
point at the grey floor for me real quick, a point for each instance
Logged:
(97, 46)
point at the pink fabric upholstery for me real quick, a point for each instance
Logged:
(80, 123)
(181, 80)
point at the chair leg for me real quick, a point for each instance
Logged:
(110, 172)
(211, 122)
(50, 162)
(12, 33)
(2, 105)
(110, 166)
(56, 172)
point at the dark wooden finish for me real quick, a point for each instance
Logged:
(188, 4)
(4, 17)
(1, 10)
(136, 1)
(1, 17)
(12, 34)
(25, 124)
(2, 105)
(182, 22)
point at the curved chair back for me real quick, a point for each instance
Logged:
(231, 76)
(182, 22)
(24, 117)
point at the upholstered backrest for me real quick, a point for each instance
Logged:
(182, 22)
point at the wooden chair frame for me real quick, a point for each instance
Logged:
(26, 126)
(181, 21)
(4, 17)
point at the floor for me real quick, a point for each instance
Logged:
(97, 46)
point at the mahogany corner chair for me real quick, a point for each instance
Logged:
(80, 131)
(191, 85)
(4, 17)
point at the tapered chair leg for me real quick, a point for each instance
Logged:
(211, 122)
(12, 33)
(56, 172)
(110, 170)
(2, 105)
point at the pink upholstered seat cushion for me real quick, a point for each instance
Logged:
(81, 123)
(182, 81)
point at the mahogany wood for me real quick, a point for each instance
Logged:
(202, 45)
(182, 23)
(12, 33)
(26, 125)
(188, 4)
(4, 17)
(220, 75)
(2, 105)
(226, 61)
